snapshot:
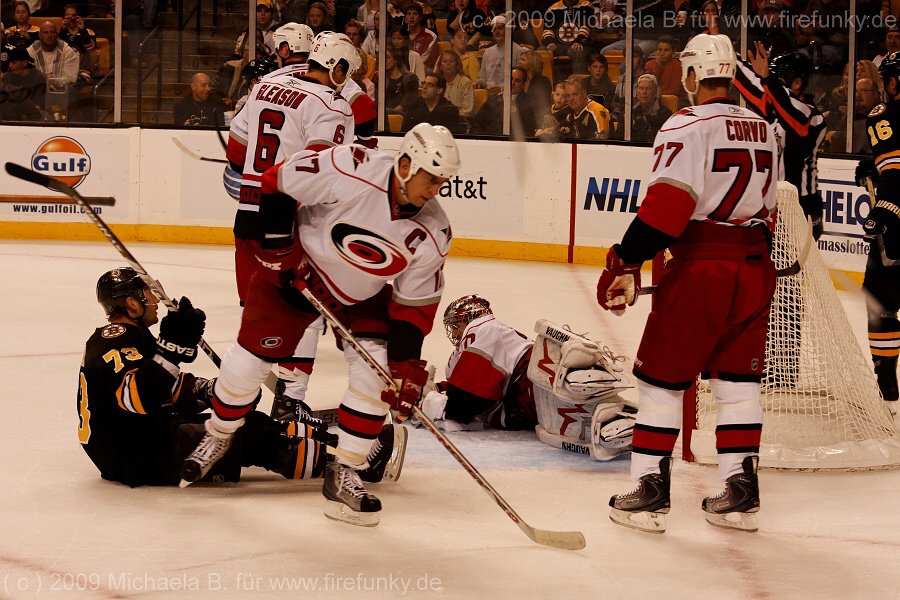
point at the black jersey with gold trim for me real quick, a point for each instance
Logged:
(883, 131)
(123, 394)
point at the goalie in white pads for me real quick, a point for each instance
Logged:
(564, 386)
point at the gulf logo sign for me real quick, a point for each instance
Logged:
(62, 158)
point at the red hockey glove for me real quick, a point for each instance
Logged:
(619, 283)
(278, 264)
(410, 377)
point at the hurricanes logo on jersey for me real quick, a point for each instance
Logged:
(368, 250)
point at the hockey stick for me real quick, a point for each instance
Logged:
(566, 540)
(93, 201)
(26, 174)
(196, 156)
(20, 172)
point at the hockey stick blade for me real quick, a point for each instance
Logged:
(196, 156)
(565, 540)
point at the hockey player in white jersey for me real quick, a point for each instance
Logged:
(563, 385)
(711, 202)
(293, 108)
(362, 230)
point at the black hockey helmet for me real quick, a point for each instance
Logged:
(115, 286)
(258, 68)
(890, 67)
(789, 66)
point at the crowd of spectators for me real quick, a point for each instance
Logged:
(446, 59)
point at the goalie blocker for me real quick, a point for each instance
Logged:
(576, 385)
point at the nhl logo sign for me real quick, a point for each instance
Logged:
(62, 158)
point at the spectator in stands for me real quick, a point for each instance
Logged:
(868, 96)
(666, 67)
(413, 59)
(79, 37)
(317, 18)
(524, 112)
(537, 84)
(360, 76)
(200, 107)
(460, 90)
(567, 31)
(580, 119)
(398, 10)
(637, 69)
(470, 60)
(265, 27)
(771, 30)
(53, 57)
(38, 6)
(402, 86)
(22, 28)
(432, 107)
(834, 104)
(421, 40)
(471, 19)
(599, 83)
(366, 14)
(289, 11)
(647, 114)
(891, 44)
(491, 76)
(22, 89)
(370, 44)
(356, 32)
(523, 30)
(819, 35)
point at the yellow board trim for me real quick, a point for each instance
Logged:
(222, 236)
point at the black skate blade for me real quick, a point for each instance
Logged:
(190, 473)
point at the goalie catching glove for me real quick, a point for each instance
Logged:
(180, 332)
(410, 377)
(619, 283)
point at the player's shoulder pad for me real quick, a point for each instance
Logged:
(113, 330)
(878, 110)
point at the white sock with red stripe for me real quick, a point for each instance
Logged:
(236, 388)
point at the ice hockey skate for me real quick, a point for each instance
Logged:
(211, 448)
(736, 506)
(285, 408)
(385, 459)
(645, 507)
(347, 498)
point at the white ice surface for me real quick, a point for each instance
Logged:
(68, 534)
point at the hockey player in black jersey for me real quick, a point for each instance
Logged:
(774, 88)
(139, 415)
(882, 228)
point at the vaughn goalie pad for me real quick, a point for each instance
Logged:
(601, 429)
(572, 366)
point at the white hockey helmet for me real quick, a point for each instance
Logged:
(299, 37)
(329, 48)
(710, 56)
(429, 147)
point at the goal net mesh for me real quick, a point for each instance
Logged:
(821, 405)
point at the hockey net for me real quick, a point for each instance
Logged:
(821, 405)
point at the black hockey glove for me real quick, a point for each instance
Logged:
(866, 169)
(180, 332)
(812, 209)
(194, 394)
(884, 220)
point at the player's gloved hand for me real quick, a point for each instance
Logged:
(619, 283)
(434, 405)
(410, 377)
(866, 169)
(279, 259)
(194, 394)
(180, 332)
(812, 208)
(884, 220)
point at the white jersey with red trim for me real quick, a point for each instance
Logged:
(356, 239)
(488, 353)
(285, 113)
(717, 162)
